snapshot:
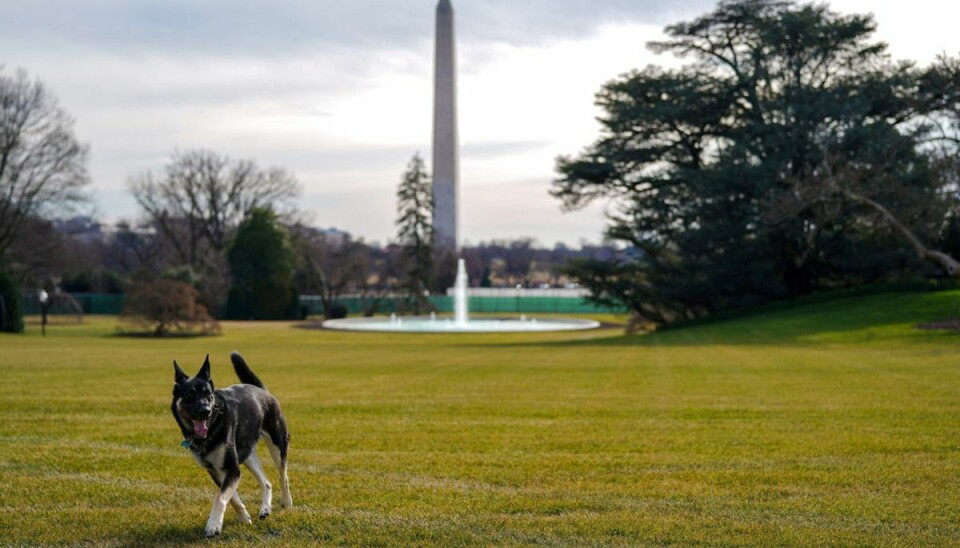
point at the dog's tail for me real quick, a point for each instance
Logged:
(244, 373)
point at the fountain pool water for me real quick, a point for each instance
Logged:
(461, 322)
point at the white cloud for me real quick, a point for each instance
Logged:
(918, 30)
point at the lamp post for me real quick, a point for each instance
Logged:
(44, 307)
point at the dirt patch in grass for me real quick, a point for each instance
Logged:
(950, 325)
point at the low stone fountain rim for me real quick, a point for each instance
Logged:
(428, 324)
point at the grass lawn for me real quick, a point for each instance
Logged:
(835, 423)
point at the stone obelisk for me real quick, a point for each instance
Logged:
(446, 149)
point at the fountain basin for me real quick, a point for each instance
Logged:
(427, 324)
(461, 322)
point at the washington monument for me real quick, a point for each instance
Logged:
(446, 155)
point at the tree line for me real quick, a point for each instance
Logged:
(217, 237)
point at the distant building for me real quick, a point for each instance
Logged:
(334, 236)
(331, 236)
(83, 228)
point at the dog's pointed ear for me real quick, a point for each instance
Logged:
(178, 375)
(204, 372)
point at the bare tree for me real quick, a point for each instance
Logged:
(135, 246)
(519, 259)
(333, 269)
(42, 165)
(196, 203)
(43, 251)
(201, 196)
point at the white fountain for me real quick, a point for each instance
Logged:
(461, 319)
(460, 313)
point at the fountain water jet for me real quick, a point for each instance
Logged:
(460, 313)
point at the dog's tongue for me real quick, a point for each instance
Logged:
(200, 428)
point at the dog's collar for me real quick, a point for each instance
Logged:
(191, 444)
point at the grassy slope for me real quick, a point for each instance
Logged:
(835, 423)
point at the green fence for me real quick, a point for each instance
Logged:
(487, 305)
(112, 304)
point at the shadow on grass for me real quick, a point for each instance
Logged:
(165, 535)
(849, 320)
(159, 337)
(149, 335)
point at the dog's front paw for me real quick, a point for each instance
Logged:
(213, 529)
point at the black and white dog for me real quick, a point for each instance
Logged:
(222, 427)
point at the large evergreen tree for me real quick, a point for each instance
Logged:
(719, 170)
(415, 230)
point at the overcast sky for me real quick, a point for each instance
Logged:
(339, 93)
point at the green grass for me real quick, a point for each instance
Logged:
(834, 424)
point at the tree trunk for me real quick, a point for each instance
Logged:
(948, 263)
